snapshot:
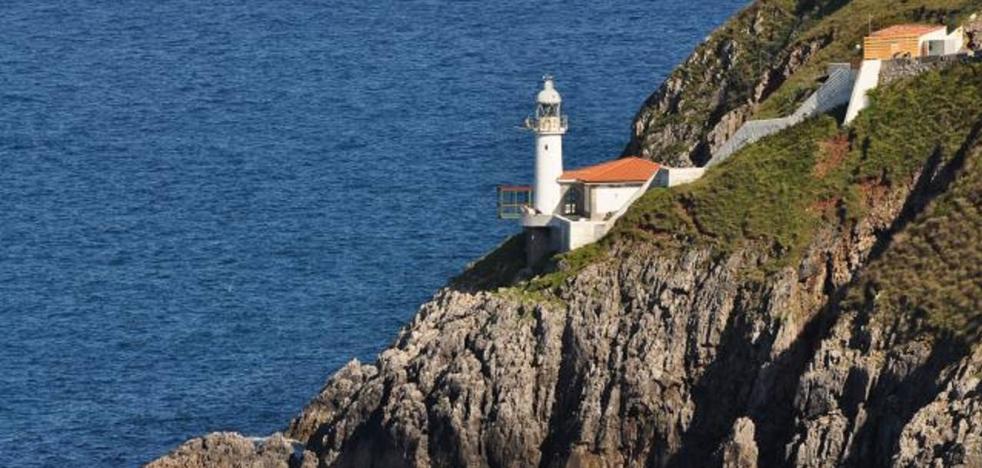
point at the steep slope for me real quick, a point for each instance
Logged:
(762, 63)
(767, 314)
(813, 301)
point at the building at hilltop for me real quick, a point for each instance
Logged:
(912, 41)
(597, 192)
(567, 209)
(899, 42)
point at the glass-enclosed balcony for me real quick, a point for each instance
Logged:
(514, 201)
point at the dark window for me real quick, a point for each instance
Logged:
(573, 200)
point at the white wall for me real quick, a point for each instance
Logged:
(939, 35)
(672, 176)
(607, 199)
(868, 79)
(955, 41)
(582, 233)
(548, 168)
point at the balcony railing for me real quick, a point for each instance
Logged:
(514, 201)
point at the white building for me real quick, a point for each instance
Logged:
(570, 209)
(598, 192)
(902, 41)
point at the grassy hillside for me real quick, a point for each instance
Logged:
(776, 194)
(847, 25)
(933, 269)
(778, 191)
(763, 63)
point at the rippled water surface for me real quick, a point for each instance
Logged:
(208, 206)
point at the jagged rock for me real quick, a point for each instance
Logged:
(231, 450)
(663, 357)
(706, 100)
(948, 431)
(651, 358)
(740, 450)
(973, 33)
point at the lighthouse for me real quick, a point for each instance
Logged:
(549, 126)
(565, 210)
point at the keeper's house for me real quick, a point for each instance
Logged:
(597, 192)
(912, 41)
(566, 210)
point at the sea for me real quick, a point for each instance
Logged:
(207, 207)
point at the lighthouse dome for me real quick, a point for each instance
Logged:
(549, 95)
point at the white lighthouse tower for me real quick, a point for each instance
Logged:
(549, 125)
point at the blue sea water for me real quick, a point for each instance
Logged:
(208, 207)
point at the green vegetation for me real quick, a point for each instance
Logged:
(916, 117)
(569, 263)
(779, 190)
(542, 289)
(494, 270)
(776, 194)
(767, 194)
(934, 267)
(843, 29)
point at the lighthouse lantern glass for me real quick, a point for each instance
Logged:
(547, 110)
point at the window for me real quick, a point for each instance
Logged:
(573, 200)
(512, 200)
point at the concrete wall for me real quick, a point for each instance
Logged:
(955, 41)
(571, 235)
(749, 133)
(608, 199)
(540, 243)
(836, 91)
(939, 35)
(867, 80)
(583, 233)
(894, 70)
(673, 176)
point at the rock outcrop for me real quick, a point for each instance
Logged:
(667, 351)
(740, 450)
(660, 359)
(230, 450)
(710, 96)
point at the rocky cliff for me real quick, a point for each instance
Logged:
(814, 301)
(764, 62)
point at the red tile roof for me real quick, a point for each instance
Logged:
(908, 30)
(630, 169)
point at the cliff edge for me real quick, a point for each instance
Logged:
(813, 301)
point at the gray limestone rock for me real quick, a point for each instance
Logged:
(231, 450)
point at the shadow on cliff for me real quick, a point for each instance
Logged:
(775, 411)
(368, 446)
(741, 380)
(502, 267)
(563, 426)
(721, 394)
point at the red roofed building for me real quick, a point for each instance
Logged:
(564, 210)
(625, 170)
(597, 192)
(902, 40)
